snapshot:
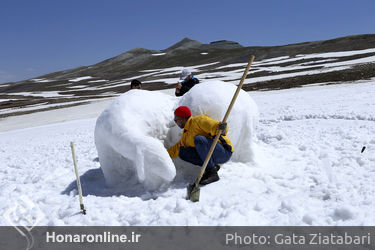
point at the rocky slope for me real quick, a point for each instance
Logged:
(276, 67)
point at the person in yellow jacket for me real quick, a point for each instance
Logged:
(196, 141)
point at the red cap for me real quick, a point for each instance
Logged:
(182, 111)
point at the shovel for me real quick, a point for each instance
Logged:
(193, 190)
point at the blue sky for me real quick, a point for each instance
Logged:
(44, 36)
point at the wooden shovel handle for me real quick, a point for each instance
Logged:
(224, 120)
(238, 89)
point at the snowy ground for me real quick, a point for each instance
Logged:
(309, 169)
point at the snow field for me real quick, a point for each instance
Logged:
(308, 170)
(315, 138)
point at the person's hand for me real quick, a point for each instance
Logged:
(222, 127)
(178, 88)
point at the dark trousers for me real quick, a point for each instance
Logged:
(196, 155)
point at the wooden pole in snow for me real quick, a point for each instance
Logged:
(78, 180)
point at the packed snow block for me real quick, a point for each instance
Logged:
(213, 98)
(129, 138)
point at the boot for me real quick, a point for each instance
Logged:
(210, 175)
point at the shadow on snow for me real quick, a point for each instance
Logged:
(93, 183)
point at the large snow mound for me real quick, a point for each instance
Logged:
(132, 133)
(128, 138)
(213, 98)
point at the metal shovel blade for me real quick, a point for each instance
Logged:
(193, 192)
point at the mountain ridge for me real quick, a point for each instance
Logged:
(342, 44)
(160, 69)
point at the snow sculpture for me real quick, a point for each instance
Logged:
(128, 138)
(132, 132)
(213, 98)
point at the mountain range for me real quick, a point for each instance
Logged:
(335, 61)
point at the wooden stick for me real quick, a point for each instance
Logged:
(78, 180)
(224, 120)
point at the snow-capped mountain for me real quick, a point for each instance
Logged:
(279, 67)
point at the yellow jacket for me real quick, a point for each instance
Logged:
(198, 125)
